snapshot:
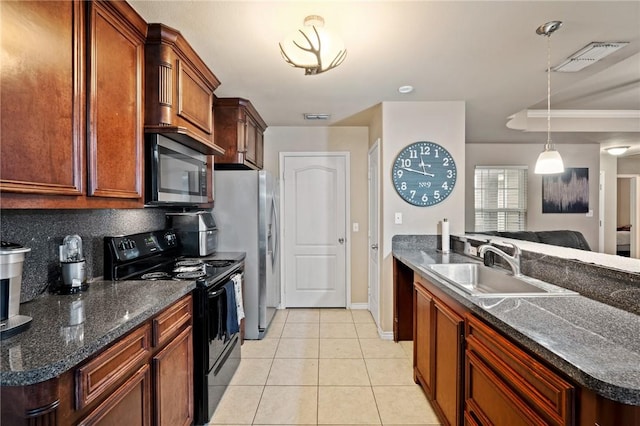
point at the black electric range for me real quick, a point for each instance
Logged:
(216, 339)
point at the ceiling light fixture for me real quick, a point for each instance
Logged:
(588, 55)
(617, 150)
(405, 89)
(549, 161)
(313, 47)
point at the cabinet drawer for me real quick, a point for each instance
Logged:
(170, 322)
(97, 376)
(548, 394)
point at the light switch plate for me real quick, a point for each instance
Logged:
(398, 218)
(356, 227)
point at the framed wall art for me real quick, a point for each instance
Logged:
(566, 192)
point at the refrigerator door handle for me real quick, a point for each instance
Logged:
(275, 230)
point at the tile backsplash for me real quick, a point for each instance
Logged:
(43, 231)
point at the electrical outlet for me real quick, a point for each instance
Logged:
(356, 227)
(398, 218)
(473, 251)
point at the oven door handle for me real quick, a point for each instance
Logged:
(216, 293)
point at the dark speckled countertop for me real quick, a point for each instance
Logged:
(60, 336)
(595, 344)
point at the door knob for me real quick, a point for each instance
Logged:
(341, 240)
(374, 246)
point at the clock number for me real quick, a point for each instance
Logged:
(425, 150)
(413, 193)
(406, 162)
(437, 153)
(399, 173)
(436, 194)
(449, 174)
(445, 186)
(403, 186)
(445, 162)
(425, 198)
(413, 153)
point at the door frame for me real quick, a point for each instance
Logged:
(375, 147)
(347, 191)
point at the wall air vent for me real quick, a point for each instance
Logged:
(590, 54)
(310, 116)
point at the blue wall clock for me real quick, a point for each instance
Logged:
(424, 174)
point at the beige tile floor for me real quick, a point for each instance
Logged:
(324, 367)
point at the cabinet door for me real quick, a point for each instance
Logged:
(448, 365)
(173, 382)
(423, 339)
(116, 52)
(250, 142)
(259, 148)
(128, 405)
(42, 86)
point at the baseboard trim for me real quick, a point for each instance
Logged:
(385, 335)
(364, 306)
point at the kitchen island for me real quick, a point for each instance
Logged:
(592, 345)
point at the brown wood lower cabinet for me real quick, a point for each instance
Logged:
(438, 351)
(173, 379)
(129, 404)
(144, 378)
(507, 386)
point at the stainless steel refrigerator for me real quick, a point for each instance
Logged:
(246, 209)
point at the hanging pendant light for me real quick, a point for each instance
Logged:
(549, 160)
(313, 48)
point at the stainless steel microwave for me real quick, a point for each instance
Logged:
(175, 173)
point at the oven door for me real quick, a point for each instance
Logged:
(177, 174)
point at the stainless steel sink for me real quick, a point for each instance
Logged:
(482, 281)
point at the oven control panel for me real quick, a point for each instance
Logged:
(131, 247)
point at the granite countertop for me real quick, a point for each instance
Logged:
(60, 336)
(595, 344)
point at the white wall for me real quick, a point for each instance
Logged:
(330, 139)
(404, 123)
(608, 165)
(574, 155)
(629, 165)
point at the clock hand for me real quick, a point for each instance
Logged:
(418, 171)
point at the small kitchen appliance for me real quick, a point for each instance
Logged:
(197, 232)
(73, 264)
(216, 346)
(11, 260)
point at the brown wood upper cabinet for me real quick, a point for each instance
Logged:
(179, 91)
(72, 133)
(115, 70)
(239, 130)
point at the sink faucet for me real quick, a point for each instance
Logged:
(513, 261)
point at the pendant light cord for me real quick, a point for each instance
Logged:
(548, 92)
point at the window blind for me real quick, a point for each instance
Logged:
(500, 198)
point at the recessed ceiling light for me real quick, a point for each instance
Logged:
(617, 150)
(316, 116)
(405, 89)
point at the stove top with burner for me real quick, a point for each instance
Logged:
(156, 256)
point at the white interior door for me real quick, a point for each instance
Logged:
(314, 224)
(374, 210)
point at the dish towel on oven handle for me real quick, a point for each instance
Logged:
(237, 284)
(232, 326)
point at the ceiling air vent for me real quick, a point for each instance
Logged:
(590, 54)
(309, 116)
